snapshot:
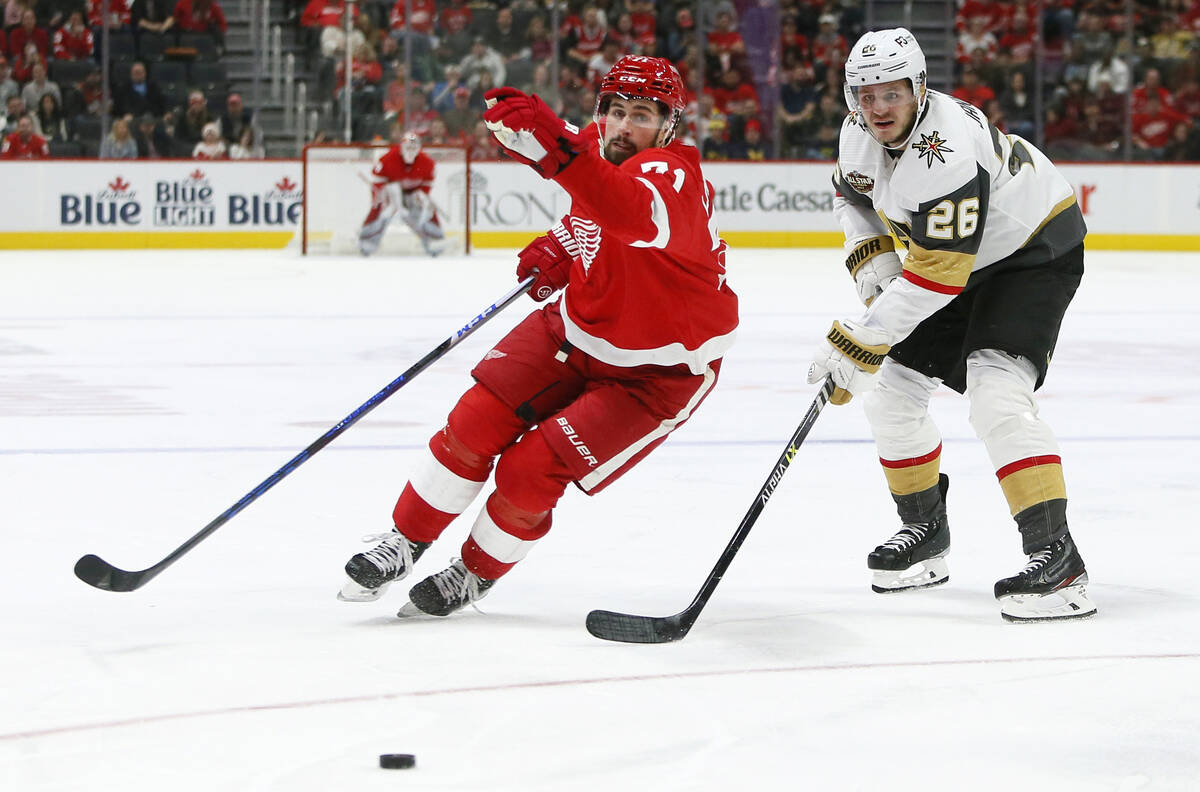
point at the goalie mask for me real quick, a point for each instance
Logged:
(883, 56)
(410, 147)
(642, 77)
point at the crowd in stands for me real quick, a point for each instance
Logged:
(1103, 72)
(168, 90)
(765, 78)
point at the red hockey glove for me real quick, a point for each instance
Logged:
(530, 131)
(547, 260)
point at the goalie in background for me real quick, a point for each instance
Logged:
(400, 185)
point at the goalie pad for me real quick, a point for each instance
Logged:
(385, 203)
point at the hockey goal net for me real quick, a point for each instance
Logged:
(337, 197)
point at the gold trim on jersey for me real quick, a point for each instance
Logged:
(1059, 208)
(944, 267)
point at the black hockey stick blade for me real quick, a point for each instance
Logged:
(628, 628)
(97, 572)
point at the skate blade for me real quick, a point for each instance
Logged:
(924, 574)
(353, 592)
(1071, 602)
(411, 611)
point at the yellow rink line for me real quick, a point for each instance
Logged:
(132, 240)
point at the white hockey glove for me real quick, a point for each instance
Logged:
(851, 354)
(873, 263)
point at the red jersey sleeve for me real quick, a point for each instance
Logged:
(655, 199)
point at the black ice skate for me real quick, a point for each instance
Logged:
(371, 572)
(449, 590)
(916, 556)
(1053, 585)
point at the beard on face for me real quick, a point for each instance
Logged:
(616, 154)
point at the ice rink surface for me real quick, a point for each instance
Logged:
(142, 394)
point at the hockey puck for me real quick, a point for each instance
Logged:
(397, 761)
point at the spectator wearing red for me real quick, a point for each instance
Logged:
(972, 91)
(829, 48)
(324, 13)
(725, 43)
(74, 41)
(120, 14)
(1059, 128)
(24, 143)
(1099, 130)
(644, 25)
(3, 42)
(365, 70)
(1190, 19)
(734, 96)
(22, 65)
(455, 18)
(1010, 13)
(793, 44)
(537, 38)
(992, 13)
(28, 32)
(1187, 97)
(584, 37)
(201, 16)
(1019, 43)
(975, 37)
(1153, 125)
(424, 14)
(1151, 86)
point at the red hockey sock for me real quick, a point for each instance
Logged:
(502, 535)
(460, 460)
(530, 479)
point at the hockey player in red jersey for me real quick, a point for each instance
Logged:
(400, 183)
(593, 382)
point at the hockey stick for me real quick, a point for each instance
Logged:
(97, 572)
(653, 629)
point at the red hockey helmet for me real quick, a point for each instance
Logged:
(644, 77)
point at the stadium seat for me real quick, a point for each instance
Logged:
(121, 45)
(209, 76)
(165, 72)
(87, 129)
(206, 48)
(65, 72)
(151, 46)
(65, 149)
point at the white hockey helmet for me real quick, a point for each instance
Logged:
(410, 147)
(882, 56)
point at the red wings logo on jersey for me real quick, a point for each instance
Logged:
(587, 236)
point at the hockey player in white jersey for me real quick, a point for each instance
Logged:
(994, 243)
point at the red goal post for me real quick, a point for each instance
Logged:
(337, 197)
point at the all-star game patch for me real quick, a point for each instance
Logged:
(930, 146)
(859, 181)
